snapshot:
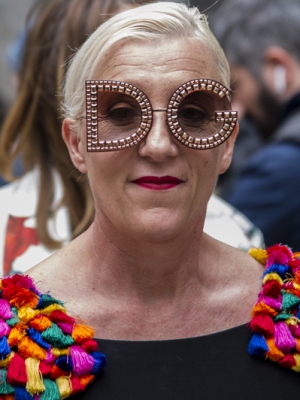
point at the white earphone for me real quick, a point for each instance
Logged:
(279, 79)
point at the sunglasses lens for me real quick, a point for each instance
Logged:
(119, 115)
(196, 114)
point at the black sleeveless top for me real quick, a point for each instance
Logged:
(215, 366)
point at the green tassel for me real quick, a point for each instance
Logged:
(55, 336)
(51, 391)
(5, 387)
(14, 320)
(289, 301)
(282, 317)
(46, 300)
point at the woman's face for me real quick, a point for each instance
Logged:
(159, 188)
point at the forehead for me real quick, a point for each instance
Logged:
(165, 64)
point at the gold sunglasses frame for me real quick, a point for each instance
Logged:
(228, 117)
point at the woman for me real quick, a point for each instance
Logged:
(51, 203)
(168, 303)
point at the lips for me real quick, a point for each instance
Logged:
(157, 182)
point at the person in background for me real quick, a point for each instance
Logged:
(262, 42)
(52, 202)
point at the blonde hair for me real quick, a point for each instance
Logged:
(147, 22)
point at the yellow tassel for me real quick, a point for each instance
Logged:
(28, 348)
(292, 321)
(81, 333)
(26, 313)
(260, 255)
(64, 386)
(273, 277)
(297, 359)
(60, 352)
(4, 363)
(34, 383)
(53, 307)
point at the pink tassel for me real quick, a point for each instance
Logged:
(83, 363)
(269, 301)
(50, 357)
(4, 328)
(5, 311)
(283, 337)
(66, 328)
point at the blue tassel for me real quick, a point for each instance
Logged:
(100, 361)
(258, 346)
(65, 363)
(4, 348)
(22, 394)
(279, 269)
(37, 338)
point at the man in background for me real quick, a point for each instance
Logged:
(262, 42)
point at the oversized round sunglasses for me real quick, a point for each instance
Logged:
(119, 115)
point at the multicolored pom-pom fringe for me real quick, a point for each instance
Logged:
(276, 315)
(45, 354)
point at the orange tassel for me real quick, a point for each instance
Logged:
(56, 372)
(24, 297)
(40, 323)
(16, 334)
(262, 308)
(86, 379)
(274, 353)
(28, 348)
(81, 333)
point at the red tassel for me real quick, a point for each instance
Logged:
(287, 361)
(45, 368)
(59, 316)
(16, 371)
(262, 324)
(76, 385)
(90, 345)
(272, 288)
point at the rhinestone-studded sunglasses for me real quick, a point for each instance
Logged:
(119, 115)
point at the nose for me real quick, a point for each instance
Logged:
(159, 143)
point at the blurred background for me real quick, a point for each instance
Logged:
(12, 18)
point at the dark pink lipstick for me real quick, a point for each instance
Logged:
(157, 182)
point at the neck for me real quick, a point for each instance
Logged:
(142, 269)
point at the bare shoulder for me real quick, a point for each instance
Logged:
(56, 274)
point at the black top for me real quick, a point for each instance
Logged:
(215, 366)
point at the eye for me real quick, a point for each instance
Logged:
(123, 114)
(192, 114)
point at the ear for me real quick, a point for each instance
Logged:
(279, 71)
(228, 150)
(75, 144)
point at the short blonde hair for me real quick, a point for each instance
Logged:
(147, 22)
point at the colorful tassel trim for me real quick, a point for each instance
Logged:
(276, 315)
(44, 352)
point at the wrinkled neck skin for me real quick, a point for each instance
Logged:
(145, 267)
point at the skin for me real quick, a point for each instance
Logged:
(145, 269)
